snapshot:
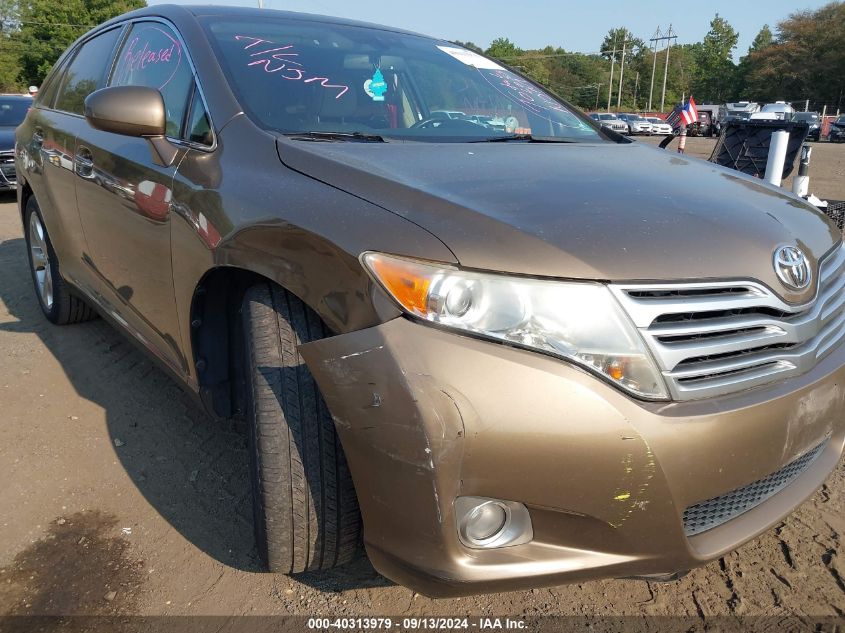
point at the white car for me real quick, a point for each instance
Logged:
(636, 123)
(777, 111)
(608, 120)
(659, 126)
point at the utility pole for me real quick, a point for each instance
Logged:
(636, 90)
(260, 4)
(612, 66)
(653, 66)
(668, 37)
(598, 92)
(621, 75)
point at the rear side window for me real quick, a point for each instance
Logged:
(47, 93)
(152, 56)
(198, 129)
(86, 71)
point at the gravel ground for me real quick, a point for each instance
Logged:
(119, 497)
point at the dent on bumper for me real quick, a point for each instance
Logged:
(426, 415)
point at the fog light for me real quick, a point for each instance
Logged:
(488, 523)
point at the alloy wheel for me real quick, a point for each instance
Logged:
(40, 260)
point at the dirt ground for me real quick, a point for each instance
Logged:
(827, 163)
(117, 496)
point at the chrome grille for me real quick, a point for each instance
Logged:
(7, 168)
(716, 338)
(713, 512)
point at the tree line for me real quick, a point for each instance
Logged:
(802, 59)
(34, 33)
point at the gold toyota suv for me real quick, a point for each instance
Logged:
(467, 328)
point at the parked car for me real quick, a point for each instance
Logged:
(812, 120)
(522, 358)
(780, 110)
(659, 126)
(739, 111)
(708, 119)
(636, 123)
(611, 121)
(448, 114)
(496, 123)
(13, 109)
(836, 132)
(703, 126)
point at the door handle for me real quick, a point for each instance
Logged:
(83, 163)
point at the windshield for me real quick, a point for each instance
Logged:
(806, 116)
(13, 111)
(295, 76)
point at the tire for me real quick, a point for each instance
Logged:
(304, 505)
(58, 302)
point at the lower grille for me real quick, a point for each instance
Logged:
(714, 512)
(7, 169)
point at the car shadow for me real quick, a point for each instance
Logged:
(190, 468)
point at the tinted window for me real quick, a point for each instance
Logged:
(47, 93)
(86, 71)
(198, 129)
(13, 110)
(152, 56)
(295, 76)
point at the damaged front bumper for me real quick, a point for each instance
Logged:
(426, 416)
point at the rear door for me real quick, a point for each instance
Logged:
(55, 122)
(124, 196)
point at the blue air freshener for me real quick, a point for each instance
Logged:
(376, 87)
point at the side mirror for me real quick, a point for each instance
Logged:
(127, 110)
(132, 111)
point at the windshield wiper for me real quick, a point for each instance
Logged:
(529, 138)
(359, 137)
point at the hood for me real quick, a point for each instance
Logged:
(7, 138)
(599, 211)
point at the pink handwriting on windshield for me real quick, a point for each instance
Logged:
(282, 60)
(139, 58)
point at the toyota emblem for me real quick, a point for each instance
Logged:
(792, 267)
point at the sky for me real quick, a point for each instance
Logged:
(575, 26)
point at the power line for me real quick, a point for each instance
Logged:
(657, 37)
(30, 22)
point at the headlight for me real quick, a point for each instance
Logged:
(579, 321)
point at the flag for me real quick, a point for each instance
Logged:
(674, 118)
(685, 114)
(689, 113)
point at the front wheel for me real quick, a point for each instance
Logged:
(304, 505)
(58, 303)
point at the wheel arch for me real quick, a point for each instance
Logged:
(216, 339)
(25, 193)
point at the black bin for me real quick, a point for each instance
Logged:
(744, 145)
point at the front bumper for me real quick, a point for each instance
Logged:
(426, 416)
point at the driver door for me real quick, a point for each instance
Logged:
(124, 195)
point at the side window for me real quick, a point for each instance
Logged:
(152, 56)
(198, 128)
(47, 93)
(86, 71)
